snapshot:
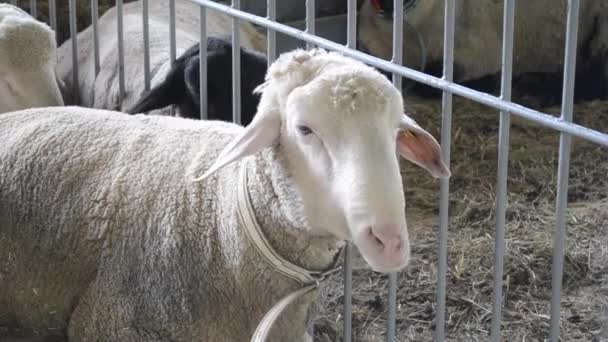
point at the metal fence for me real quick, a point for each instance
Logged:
(563, 124)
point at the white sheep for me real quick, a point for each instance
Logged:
(539, 37)
(102, 90)
(105, 235)
(27, 62)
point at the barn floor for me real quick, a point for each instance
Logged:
(530, 221)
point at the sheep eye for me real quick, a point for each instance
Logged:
(304, 130)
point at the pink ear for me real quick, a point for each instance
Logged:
(418, 146)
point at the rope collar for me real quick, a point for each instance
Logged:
(309, 279)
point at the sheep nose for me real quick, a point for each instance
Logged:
(389, 238)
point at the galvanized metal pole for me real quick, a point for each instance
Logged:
(236, 66)
(351, 43)
(121, 51)
(53, 16)
(271, 48)
(94, 16)
(446, 137)
(310, 21)
(563, 169)
(397, 81)
(146, 33)
(503, 164)
(73, 34)
(203, 64)
(33, 9)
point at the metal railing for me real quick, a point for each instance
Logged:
(563, 124)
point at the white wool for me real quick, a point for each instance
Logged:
(27, 62)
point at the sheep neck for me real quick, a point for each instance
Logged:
(278, 210)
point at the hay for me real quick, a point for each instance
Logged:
(530, 220)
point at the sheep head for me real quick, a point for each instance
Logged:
(27, 62)
(339, 124)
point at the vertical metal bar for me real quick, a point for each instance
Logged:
(398, 59)
(503, 164)
(203, 64)
(351, 26)
(146, 31)
(348, 296)
(236, 66)
(121, 52)
(73, 34)
(351, 42)
(172, 40)
(310, 21)
(271, 12)
(33, 9)
(94, 16)
(53, 16)
(446, 133)
(563, 169)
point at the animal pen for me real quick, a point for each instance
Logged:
(298, 33)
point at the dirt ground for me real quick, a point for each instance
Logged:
(529, 231)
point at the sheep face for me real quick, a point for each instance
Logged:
(339, 127)
(340, 137)
(27, 62)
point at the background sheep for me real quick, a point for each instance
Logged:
(539, 40)
(27, 62)
(102, 91)
(128, 248)
(181, 86)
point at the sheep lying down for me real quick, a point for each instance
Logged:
(539, 40)
(181, 86)
(102, 90)
(27, 62)
(124, 228)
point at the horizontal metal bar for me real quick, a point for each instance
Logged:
(483, 98)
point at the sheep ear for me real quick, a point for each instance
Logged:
(262, 132)
(418, 146)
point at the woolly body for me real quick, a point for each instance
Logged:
(27, 61)
(114, 240)
(539, 36)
